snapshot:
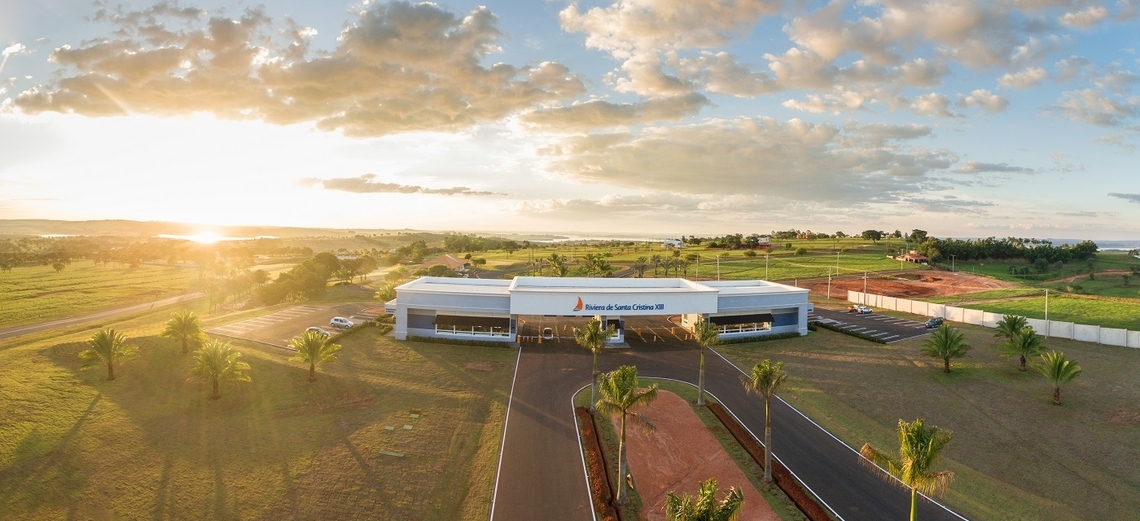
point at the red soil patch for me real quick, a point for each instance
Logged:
(679, 455)
(906, 284)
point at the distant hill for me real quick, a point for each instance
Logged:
(154, 228)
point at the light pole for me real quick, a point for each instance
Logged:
(1046, 313)
(829, 282)
(718, 266)
(864, 288)
(952, 262)
(765, 265)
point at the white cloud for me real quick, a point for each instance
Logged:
(933, 104)
(1071, 67)
(1023, 79)
(1093, 107)
(977, 167)
(398, 67)
(1086, 18)
(984, 99)
(786, 159)
(601, 114)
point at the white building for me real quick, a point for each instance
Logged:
(672, 243)
(475, 309)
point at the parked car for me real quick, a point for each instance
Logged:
(341, 323)
(934, 322)
(862, 310)
(547, 333)
(318, 330)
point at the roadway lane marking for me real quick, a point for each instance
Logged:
(891, 337)
(503, 445)
(881, 334)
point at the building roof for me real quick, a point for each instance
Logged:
(447, 260)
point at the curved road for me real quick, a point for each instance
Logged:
(541, 473)
(42, 326)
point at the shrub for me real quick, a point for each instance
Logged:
(458, 342)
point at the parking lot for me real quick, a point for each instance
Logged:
(889, 329)
(278, 328)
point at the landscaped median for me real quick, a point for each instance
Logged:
(689, 445)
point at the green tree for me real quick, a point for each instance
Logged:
(314, 348)
(1009, 327)
(217, 362)
(107, 346)
(765, 379)
(619, 393)
(656, 262)
(704, 506)
(185, 328)
(707, 335)
(1059, 371)
(946, 343)
(593, 337)
(1027, 343)
(643, 262)
(919, 446)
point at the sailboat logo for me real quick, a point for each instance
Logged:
(579, 306)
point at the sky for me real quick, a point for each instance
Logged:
(965, 118)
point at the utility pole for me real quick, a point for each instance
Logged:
(765, 265)
(829, 282)
(864, 288)
(837, 263)
(1046, 313)
(952, 262)
(718, 266)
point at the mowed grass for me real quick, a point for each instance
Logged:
(37, 293)
(1014, 454)
(150, 445)
(1106, 313)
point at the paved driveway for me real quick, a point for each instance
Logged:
(277, 328)
(541, 473)
(890, 329)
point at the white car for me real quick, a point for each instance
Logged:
(341, 323)
(547, 333)
(862, 310)
(316, 329)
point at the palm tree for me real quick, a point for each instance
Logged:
(704, 507)
(919, 446)
(1009, 327)
(314, 348)
(1059, 371)
(107, 346)
(217, 362)
(1024, 344)
(186, 328)
(619, 392)
(594, 338)
(946, 343)
(656, 262)
(640, 265)
(765, 379)
(707, 335)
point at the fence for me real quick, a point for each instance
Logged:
(1083, 332)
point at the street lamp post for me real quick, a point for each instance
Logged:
(952, 262)
(765, 265)
(829, 282)
(718, 266)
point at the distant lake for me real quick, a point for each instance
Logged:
(198, 238)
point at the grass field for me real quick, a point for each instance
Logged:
(150, 445)
(1104, 313)
(999, 269)
(1014, 454)
(37, 293)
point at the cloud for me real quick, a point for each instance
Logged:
(1090, 17)
(950, 204)
(9, 51)
(984, 99)
(791, 159)
(397, 67)
(601, 114)
(1023, 79)
(1093, 107)
(654, 202)
(933, 104)
(976, 167)
(367, 184)
(1118, 140)
(1132, 198)
(1071, 67)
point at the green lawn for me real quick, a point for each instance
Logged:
(995, 294)
(1105, 313)
(999, 269)
(37, 293)
(150, 445)
(1105, 284)
(1014, 454)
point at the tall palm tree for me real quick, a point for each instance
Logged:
(314, 348)
(593, 337)
(217, 361)
(640, 265)
(1059, 371)
(707, 335)
(765, 379)
(946, 343)
(186, 328)
(1009, 327)
(656, 262)
(704, 506)
(107, 346)
(919, 446)
(1026, 343)
(619, 392)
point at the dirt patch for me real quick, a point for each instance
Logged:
(679, 455)
(909, 284)
(1122, 416)
(480, 366)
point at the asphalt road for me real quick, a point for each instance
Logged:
(102, 315)
(277, 328)
(541, 474)
(890, 329)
